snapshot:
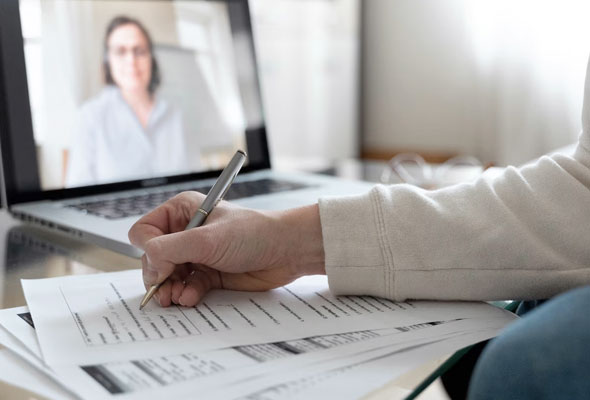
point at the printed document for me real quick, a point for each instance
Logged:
(17, 372)
(133, 378)
(178, 374)
(359, 375)
(95, 319)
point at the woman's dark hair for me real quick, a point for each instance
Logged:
(116, 23)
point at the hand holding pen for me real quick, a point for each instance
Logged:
(237, 249)
(216, 193)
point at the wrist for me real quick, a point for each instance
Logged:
(302, 231)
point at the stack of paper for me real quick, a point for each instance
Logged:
(86, 333)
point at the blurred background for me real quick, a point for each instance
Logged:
(192, 44)
(498, 80)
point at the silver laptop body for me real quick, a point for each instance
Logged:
(102, 211)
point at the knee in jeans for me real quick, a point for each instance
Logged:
(503, 353)
(500, 370)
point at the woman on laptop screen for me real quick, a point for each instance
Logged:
(127, 132)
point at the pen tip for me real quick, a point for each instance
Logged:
(140, 307)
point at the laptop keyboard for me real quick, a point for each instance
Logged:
(141, 204)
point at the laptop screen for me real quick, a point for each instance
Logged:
(136, 90)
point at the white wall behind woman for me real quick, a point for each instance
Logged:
(501, 80)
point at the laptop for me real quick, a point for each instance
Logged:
(110, 108)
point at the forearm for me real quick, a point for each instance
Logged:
(520, 235)
(304, 247)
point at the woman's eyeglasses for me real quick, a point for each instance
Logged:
(122, 52)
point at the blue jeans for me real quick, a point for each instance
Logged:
(545, 355)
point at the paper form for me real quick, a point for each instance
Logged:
(19, 323)
(360, 374)
(208, 370)
(95, 319)
(17, 372)
(356, 377)
(304, 365)
(23, 366)
(133, 378)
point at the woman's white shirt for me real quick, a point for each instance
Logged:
(110, 144)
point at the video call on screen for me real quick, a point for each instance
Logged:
(125, 90)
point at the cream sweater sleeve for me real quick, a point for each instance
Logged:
(524, 234)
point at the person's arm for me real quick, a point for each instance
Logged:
(521, 235)
(237, 248)
(81, 169)
(186, 158)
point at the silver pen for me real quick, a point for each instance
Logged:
(216, 193)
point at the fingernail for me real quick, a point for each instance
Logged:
(181, 301)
